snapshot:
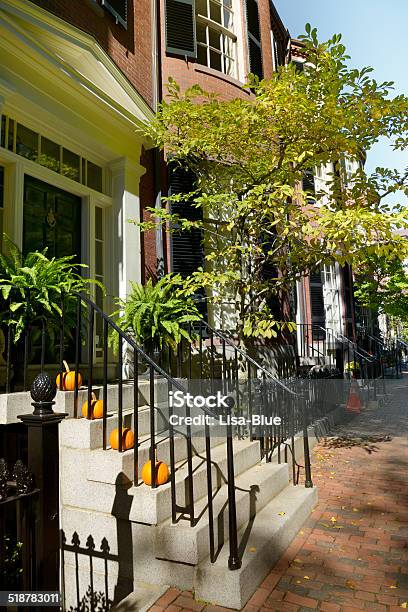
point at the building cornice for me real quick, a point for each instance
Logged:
(38, 17)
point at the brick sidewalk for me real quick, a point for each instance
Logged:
(352, 554)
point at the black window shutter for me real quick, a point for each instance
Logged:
(270, 273)
(308, 182)
(119, 9)
(316, 299)
(181, 28)
(254, 38)
(187, 250)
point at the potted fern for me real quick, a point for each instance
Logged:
(35, 290)
(157, 316)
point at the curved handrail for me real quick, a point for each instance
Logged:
(248, 358)
(357, 349)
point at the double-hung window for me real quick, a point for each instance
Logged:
(216, 41)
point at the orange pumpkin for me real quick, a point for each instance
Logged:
(68, 379)
(96, 408)
(161, 472)
(128, 439)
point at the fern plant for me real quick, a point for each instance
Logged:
(35, 289)
(157, 314)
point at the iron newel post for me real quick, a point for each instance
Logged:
(43, 459)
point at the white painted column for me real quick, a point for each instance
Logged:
(125, 236)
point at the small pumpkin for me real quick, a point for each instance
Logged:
(66, 380)
(128, 439)
(96, 408)
(161, 472)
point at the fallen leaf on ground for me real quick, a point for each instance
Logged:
(306, 577)
(333, 519)
(297, 561)
(281, 513)
(350, 584)
(252, 549)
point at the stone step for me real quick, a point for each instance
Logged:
(263, 541)
(253, 490)
(88, 434)
(154, 505)
(64, 401)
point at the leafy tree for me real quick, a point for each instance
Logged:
(382, 286)
(249, 156)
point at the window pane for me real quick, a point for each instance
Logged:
(215, 11)
(98, 223)
(202, 8)
(83, 178)
(70, 164)
(1, 186)
(94, 176)
(27, 143)
(99, 321)
(201, 33)
(228, 19)
(228, 3)
(10, 143)
(202, 55)
(215, 39)
(215, 60)
(228, 46)
(229, 66)
(3, 131)
(98, 257)
(50, 154)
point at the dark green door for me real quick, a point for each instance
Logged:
(52, 219)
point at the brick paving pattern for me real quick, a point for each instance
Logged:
(352, 553)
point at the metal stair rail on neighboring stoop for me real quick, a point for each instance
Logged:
(315, 340)
(370, 365)
(263, 393)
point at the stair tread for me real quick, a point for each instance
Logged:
(268, 522)
(199, 462)
(254, 476)
(255, 487)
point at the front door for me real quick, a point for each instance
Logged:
(52, 219)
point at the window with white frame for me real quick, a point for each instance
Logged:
(27, 143)
(331, 296)
(216, 41)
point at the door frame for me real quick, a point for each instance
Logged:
(16, 167)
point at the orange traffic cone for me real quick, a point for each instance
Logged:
(354, 404)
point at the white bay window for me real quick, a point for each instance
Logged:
(216, 41)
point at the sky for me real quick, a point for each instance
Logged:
(375, 34)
